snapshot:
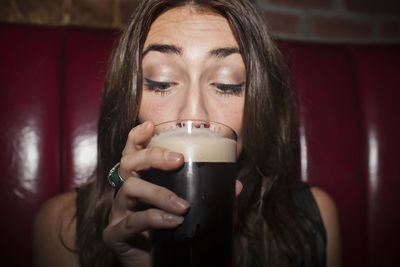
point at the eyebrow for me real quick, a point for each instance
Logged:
(163, 48)
(224, 51)
(172, 49)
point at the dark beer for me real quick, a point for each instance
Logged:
(207, 182)
(205, 236)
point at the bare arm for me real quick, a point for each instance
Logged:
(329, 215)
(54, 233)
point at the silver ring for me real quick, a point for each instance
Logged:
(114, 178)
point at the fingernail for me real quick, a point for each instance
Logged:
(173, 218)
(172, 156)
(178, 202)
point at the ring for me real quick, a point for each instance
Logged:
(114, 178)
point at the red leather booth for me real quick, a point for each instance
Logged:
(348, 101)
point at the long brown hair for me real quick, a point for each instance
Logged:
(269, 230)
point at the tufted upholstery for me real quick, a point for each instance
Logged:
(50, 83)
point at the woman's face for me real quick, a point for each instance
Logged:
(192, 69)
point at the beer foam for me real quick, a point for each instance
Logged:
(200, 145)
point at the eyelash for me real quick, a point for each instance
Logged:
(224, 89)
(229, 89)
(158, 87)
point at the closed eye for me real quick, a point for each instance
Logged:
(157, 86)
(229, 89)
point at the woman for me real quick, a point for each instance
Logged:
(202, 60)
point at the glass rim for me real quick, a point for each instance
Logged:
(198, 120)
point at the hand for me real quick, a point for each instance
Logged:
(125, 235)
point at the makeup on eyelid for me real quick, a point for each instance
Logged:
(226, 79)
(222, 88)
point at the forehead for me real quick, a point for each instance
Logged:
(184, 24)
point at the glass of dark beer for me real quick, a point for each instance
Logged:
(207, 182)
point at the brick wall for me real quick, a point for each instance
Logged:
(357, 21)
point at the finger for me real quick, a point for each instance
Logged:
(136, 189)
(239, 187)
(155, 157)
(136, 222)
(138, 137)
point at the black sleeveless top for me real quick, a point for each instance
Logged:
(305, 201)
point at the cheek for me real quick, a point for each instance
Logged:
(231, 114)
(238, 128)
(151, 110)
(236, 118)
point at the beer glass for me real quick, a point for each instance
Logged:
(207, 182)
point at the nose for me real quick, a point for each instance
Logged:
(194, 105)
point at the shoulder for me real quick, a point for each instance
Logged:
(325, 203)
(54, 232)
(329, 214)
(57, 215)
